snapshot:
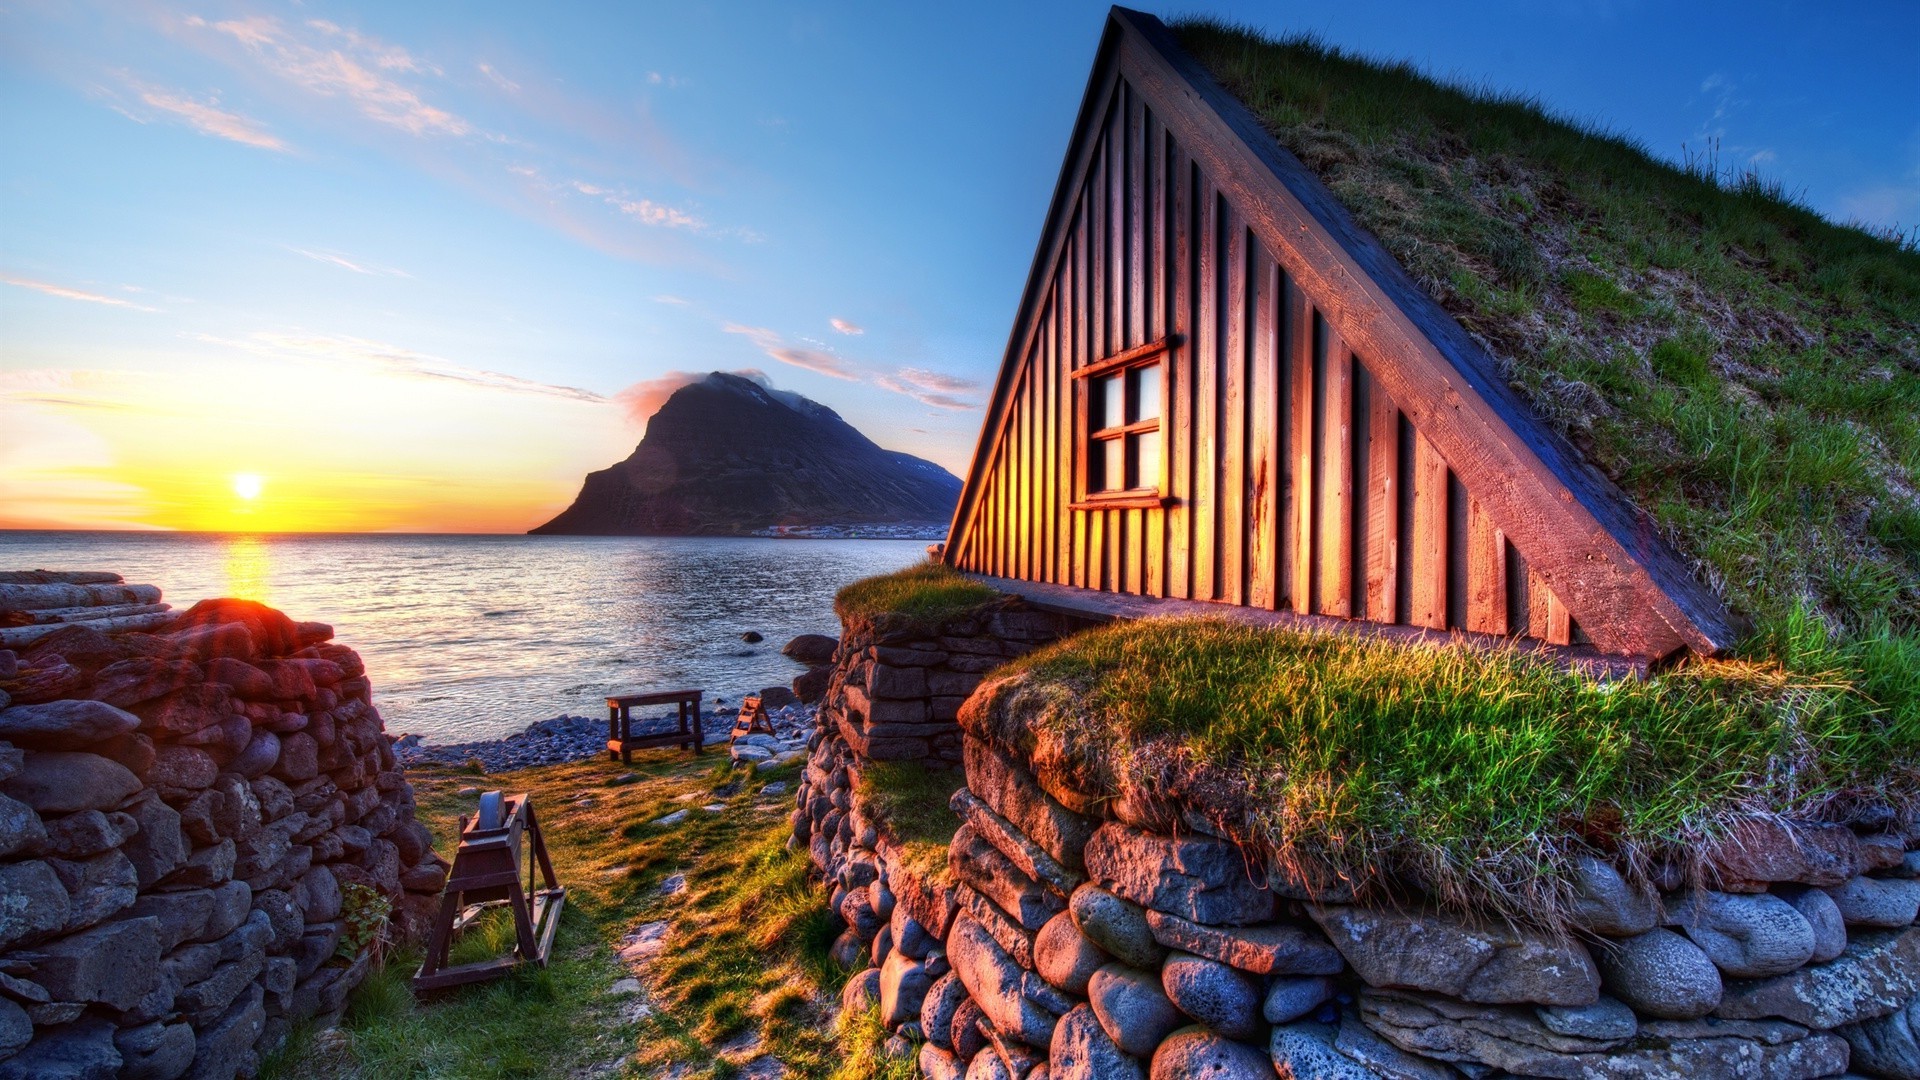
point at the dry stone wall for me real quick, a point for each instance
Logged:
(1074, 937)
(897, 683)
(183, 814)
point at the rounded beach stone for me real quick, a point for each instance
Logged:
(939, 1064)
(937, 1009)
(1132, 1008)
(64, 725)
(1307, 1051)
(1198, 1054)
(903, 989)
(1822, 914)
(1214, 994)
(1887, 904)
(260, 754)
(1081, 1050)
(1116, 925)
(988, 1066)
(1661, 974)
(63, 782)
(1291, 999)
(1604, 902)
(862, 992)
(969, 1034)
(1746, 936)
(1064, 956)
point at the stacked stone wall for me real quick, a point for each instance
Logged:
(897, 684)
(1077, 937)
(181, 814)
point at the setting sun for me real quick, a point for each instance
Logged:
(248, 485)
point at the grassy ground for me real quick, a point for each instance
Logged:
(925, 593)
(1748, 372)
(908, 802)
(1478, 773)
(744, 973)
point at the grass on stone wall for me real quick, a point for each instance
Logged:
(909, 802)
(925, 593)
(1748, 372)
(1479, 773)
(745, 972)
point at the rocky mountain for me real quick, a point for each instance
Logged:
(726, 456)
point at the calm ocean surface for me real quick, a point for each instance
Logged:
(472, 637)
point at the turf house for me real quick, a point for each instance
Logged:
(1437, 594)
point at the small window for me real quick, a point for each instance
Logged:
(1120, 426)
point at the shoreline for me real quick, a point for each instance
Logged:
(567, 738)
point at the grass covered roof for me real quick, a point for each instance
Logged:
(1477, 776)
(1746, 371)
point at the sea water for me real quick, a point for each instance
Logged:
(474, 637)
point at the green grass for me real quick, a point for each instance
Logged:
(1747, 371)
(1478, 774)
(909, 802)
(746, 970)
(924, 594)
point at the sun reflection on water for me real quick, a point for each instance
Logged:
(248, 565)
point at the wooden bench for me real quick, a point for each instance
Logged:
(621, 742)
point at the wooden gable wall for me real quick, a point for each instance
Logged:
(1296, 479)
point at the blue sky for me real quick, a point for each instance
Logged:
(430, 259)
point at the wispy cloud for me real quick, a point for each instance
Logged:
(205, 116)
(671, 82)
(345, 64)
(493, 76)
(73, 294)
(394, 360)
(334, 258)
(643, 210)
(817, 361)
(846, 327)
(672, 301)
(941, 391)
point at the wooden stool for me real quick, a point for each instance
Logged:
(621, 742)
(486, 873)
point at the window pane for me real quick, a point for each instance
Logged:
(1107, 406)
(1145, 399)
(1112, 456)
(1143, 459)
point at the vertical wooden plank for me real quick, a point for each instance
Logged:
(1049, 440)
(1116, 567)
(1080, 327)
(1383, 504)
(1154, 175)
(1233, 408)
(1206, 382)
(1263, 459)
(1029, 474)
(1136, 225)
(1486, 572)
(1336, 481)
(1180, 376)
(1096, 549)
(1063, 409)
(1297, 353)
(1559, 621)
(1115, 268)
(1429, 599)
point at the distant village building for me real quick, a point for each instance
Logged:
(1218, 387)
